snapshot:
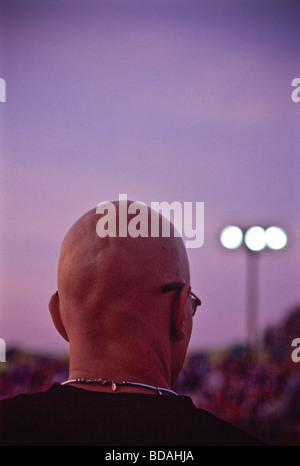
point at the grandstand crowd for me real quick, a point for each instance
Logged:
(256, 388)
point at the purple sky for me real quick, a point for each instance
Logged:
(185, 101)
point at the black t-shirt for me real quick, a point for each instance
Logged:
(71, 416)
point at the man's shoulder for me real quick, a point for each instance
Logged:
(174, 418)
(223, 432)
(15, 404)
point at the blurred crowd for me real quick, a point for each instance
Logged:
(256, 388)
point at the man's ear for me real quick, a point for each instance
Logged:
(179, 314)
(55, 314)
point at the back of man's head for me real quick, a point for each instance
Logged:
(111, 300)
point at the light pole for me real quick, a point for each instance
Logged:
(254, 240)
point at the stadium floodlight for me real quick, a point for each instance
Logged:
(231, 237)
(276, 238)
(255, 238)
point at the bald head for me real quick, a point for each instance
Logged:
(111, 286)
(96, 271)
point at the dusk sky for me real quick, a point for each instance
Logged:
(184, 101)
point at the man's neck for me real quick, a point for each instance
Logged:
(138, 368)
